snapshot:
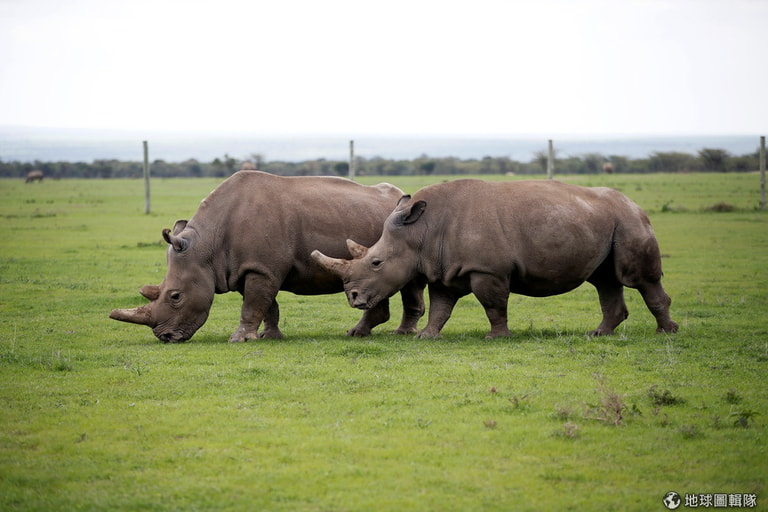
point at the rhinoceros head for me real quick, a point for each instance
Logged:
(380, 271)
(180, 304)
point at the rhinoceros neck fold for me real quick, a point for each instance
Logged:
(206, 240)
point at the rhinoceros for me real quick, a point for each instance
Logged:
(34, 176)
(253, 234)
(535, 238)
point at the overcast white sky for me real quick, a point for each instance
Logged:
(356, 67)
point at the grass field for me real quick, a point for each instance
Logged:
(100, 415)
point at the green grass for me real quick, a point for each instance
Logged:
(99, 415)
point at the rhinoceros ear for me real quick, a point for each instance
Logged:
(179, 244)
(179, 226)
(150, 291)
(402, 201)
(412, 213)
(356, 250)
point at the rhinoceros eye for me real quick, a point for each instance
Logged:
(175, 296)
(376, 263)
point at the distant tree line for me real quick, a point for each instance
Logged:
(707, 160)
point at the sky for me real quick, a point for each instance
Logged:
(355, 67)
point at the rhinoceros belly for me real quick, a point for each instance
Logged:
(555, 273)
(534, 286)
(314, 283)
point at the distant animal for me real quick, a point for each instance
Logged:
(253, 234)
(535, 238)
(608, 167)
(34, 176)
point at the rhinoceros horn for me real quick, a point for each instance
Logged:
(150, 291)
(356, 250)
(140, 315)
(333, 265)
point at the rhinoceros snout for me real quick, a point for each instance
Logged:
(356, 300)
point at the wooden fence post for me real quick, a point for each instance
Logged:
(146, 178)
(762, 172)
(550, 160)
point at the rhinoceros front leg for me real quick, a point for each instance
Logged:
(413, 307)
(258, 296)
(371, 318)
(441, 302)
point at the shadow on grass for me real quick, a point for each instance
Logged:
(477, 336)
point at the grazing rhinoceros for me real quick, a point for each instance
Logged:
(254, 234)
(34, 176)
(535, 238)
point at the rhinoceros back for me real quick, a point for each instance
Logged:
(255, 221)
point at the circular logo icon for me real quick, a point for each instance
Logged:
(671, 500)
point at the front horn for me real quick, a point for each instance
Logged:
(140, 315)
(333, 265)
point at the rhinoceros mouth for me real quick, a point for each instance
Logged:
(362, 301)
(172, 336)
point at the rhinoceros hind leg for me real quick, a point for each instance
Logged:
(271, 323)
(658, 303)
(639, 266)
(493, 294)
(613, 306)
(371, 318)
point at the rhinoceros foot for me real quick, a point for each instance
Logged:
(241, 335)
(271, 334)
(601, 331)
(406, 330)
(498, 332)
(669, 327)
(428, 333)
(359, 331)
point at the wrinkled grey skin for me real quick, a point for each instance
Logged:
(535, 238)
(254, 234)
